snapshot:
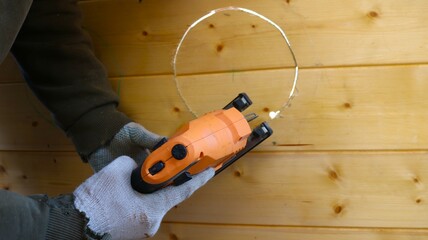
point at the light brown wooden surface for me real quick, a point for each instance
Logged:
(331, 109)
(52, 173)
(354, 189)
(348, 160)
(25, 124)
(227, 232)
(135, 38)
(323, 189)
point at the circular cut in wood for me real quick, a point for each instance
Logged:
(232, 50)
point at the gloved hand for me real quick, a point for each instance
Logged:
(113, 207)
(132, 140)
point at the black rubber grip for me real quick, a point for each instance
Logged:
(139, 185)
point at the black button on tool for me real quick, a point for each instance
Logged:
(179, 151)
(184, 177)
(157, 167)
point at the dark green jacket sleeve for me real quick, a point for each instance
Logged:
(38, 217)
(59, 65)
(56, 57)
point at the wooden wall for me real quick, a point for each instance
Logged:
(348, 160)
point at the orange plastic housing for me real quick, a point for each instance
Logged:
(210, 140)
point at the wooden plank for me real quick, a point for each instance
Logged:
(25, 124)
(365, 108)
(210, 232)
(331, 189)
(9, 71)
(51, 173)
(353, 189)
(337, 109)
(139, 37)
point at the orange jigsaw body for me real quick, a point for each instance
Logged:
(216, 140)
(209, 141)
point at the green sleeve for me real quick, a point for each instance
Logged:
(39, 217)
(58, 63)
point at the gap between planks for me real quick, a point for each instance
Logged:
(113, 78)
(416, 64)
(395, 229)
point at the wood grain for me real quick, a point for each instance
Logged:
(25, 124)
(362, 108)
(348, 160)
(354, 189)
(51, 173)
(174, 231)
(138, 38)
(342, 189)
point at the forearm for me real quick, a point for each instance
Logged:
(60, 67)
(38, 217)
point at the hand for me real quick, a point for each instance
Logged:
(132, 140)
(113, 207)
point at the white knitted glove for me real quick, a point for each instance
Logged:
(133, 140)
(113, 207)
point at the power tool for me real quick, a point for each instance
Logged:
(216, 140)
